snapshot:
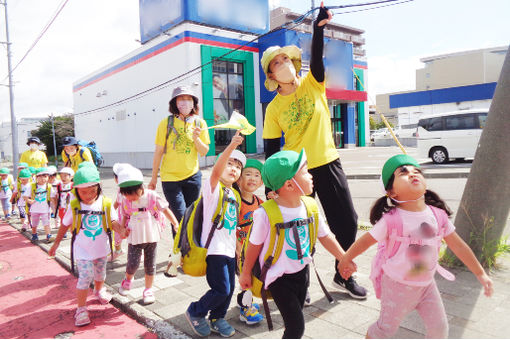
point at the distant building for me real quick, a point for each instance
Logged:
(25, 127)
(448, 82)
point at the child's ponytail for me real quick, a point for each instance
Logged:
(379, 208)
(431, 198)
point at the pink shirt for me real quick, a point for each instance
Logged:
(287, 263)
(412, 264)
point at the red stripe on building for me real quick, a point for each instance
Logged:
(350, 95)
(360, 66)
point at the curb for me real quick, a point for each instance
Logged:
(153, 322)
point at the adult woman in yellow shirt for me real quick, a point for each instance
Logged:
(300, 111)
(73, 153)
(180, 138)
(34, 157)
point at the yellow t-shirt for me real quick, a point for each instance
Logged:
(76, 159)
(181, 161)
(36, 158)
(304, 118)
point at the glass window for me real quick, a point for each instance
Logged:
(460, 122)
(482, 117)
(435, 124)
(228, 95)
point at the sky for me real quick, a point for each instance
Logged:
(89, 34)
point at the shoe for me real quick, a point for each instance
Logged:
(14, 213)
(250, 315)
(81, 317)
(65, 235)
(23, 229)
(35, 237)
(148, 296)
(222, 327)
(199, 325)
(7, 218)
(350, 286)
(125, 286)
(49, 238)
(308, 299)
(116, 254)
(103, 296)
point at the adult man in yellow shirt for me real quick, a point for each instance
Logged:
(34, 157)
(73, 153)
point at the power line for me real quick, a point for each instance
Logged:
(296, 22)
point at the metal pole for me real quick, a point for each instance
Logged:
(14, 125)
(54, 144)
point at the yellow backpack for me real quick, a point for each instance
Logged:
(105, 214)
(276, 241)
(48, 192)
(187, 239)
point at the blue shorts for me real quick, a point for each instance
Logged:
(6, 204)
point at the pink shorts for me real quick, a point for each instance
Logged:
(398, 300)
(43, 217)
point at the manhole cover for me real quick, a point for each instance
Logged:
(4, 266)
(64, 335)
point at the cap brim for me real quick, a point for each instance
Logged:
(129, 184)
(293, 52)
(85, 185)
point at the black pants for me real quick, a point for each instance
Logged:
(331, 186)
(289, 293)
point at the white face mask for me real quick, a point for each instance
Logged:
(300, 189)
(34, 146)
(185, 106)
(286, 74)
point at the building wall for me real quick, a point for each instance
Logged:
(25, 126)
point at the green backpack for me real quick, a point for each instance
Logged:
(187, 239)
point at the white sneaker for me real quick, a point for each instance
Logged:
(148, 296)
(103, 296)
(125, 286)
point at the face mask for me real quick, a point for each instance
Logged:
(34, 146)
(300, 189)
(72, 153)
(185, 106)
(286, 74)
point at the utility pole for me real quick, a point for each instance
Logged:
(14, 124)
(54, 143)
(485, 204)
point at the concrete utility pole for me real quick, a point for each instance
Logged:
(485, 204)
(54, 143)
(14, 125)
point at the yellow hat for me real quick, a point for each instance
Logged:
(292, 51)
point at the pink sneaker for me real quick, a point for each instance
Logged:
(125, 286)
(103, 296)
(81, 317)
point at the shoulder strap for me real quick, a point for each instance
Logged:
(441, 218)
(81, 153)
(312, 210)
(275, 242)
(170, 127)
(394, 227)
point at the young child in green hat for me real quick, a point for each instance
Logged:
(6, 192)
(21, 194)
(39, 204)
(287, 279)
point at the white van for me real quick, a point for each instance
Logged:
(450, 135)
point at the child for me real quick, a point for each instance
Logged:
(248, 183)
(14, 198)
(55, 193)
(6, 192)
(286, 173)
(141, 211)
(221, 262)
(117, 167)
(39, 204)
(64, 195)
(407, 281)
(21, 194)
(91, 218)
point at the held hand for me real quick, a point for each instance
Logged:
(237, 139)
(486, 282)
(324, 16)
(196, 133)
(245, 280)
(53, 249)
(152, 184)
(346, 268)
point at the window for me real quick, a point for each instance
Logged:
(435, 124)
(482, 117)
(460, 122)
(228, 95)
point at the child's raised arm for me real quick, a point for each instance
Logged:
(222, 161)
(357, 248)
(466, 255)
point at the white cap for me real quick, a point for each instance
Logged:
(236, 154)
(67, 170)
(52, 170)
(117, 167)
(129, 176)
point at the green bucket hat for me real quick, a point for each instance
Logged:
(254, 163)
(86, 176)
(32, 169)
(281, 167)
(22, 165)
(393, 164)
(42, 171)
(25, 173)
(4, 171)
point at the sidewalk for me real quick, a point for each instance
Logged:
(39, 300)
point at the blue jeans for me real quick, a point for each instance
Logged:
(182, 194)
(221, 278)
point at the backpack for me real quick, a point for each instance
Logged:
(105, 214)
(152, 208)
(59, 195)
(187, 239)
(276, 241)
(9, 185)
(390, 246)
(96, 155)
(48, 192)
(170, 127)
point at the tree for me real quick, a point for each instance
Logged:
(64, 126)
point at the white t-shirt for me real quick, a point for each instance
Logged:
(5, 190)
(40, 206)
(25, 193)
(65, 195)
(92, 241)
(288, 262)
(143, 226)
(412, 265)
(224, 239)
(54, 189)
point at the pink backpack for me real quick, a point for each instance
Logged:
(152, 207)
(390, 246)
